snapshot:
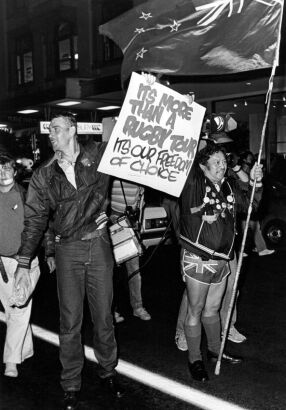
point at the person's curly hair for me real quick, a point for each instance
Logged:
(210, 149)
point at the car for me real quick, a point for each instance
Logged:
(157, 220)
(273, 206)
(154, 224)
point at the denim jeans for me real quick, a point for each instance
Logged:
(134, 283)
(85, 267)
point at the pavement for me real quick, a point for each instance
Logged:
(151, 369)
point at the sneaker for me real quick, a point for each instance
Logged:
(266, 252)
(141, 313)
(234, 336)
(180, 340)
(11, 370)
(118, 318)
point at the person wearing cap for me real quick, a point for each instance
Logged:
(209, 203)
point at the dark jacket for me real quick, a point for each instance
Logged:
(74, 211)
(212, 240)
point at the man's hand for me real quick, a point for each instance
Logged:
(51, 262)
(210, 218)
(256, 172)
(22, 287)
(149, 78)
(190, 97)
(152, 79)
(19, 273)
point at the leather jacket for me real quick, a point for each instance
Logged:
(73, 211)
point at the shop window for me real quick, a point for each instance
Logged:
(24, 61)
(111, 50)
(111, 9)
(67, 48)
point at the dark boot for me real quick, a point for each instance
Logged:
(110, 384)
(198, 371)
(71, 400)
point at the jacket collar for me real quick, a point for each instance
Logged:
(85, 157)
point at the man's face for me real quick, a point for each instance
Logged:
(60, 134)
(7, 175)
(215, 167)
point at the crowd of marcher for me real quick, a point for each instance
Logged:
(69, 204)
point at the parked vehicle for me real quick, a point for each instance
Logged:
(155, 222)
(273, 206)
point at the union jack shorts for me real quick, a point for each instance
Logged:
(209, 271)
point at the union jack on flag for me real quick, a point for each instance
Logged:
(198, 264)
(197, 37)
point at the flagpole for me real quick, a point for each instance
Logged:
(262, 138)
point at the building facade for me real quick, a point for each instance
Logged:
(53, 54)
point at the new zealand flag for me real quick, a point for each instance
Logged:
(197, 37)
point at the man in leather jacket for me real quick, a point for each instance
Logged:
(70, 190)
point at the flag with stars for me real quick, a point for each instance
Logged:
(197, 37)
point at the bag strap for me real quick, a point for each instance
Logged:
(123, 194)
(3, 271)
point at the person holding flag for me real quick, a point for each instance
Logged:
(209, 204)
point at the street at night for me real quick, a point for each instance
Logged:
(257, 383)
(142, 165)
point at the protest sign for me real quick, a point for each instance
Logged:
(155, 138)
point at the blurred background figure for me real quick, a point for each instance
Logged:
(255, 241)
(25, 167)
(127, 197)
(18, 341)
